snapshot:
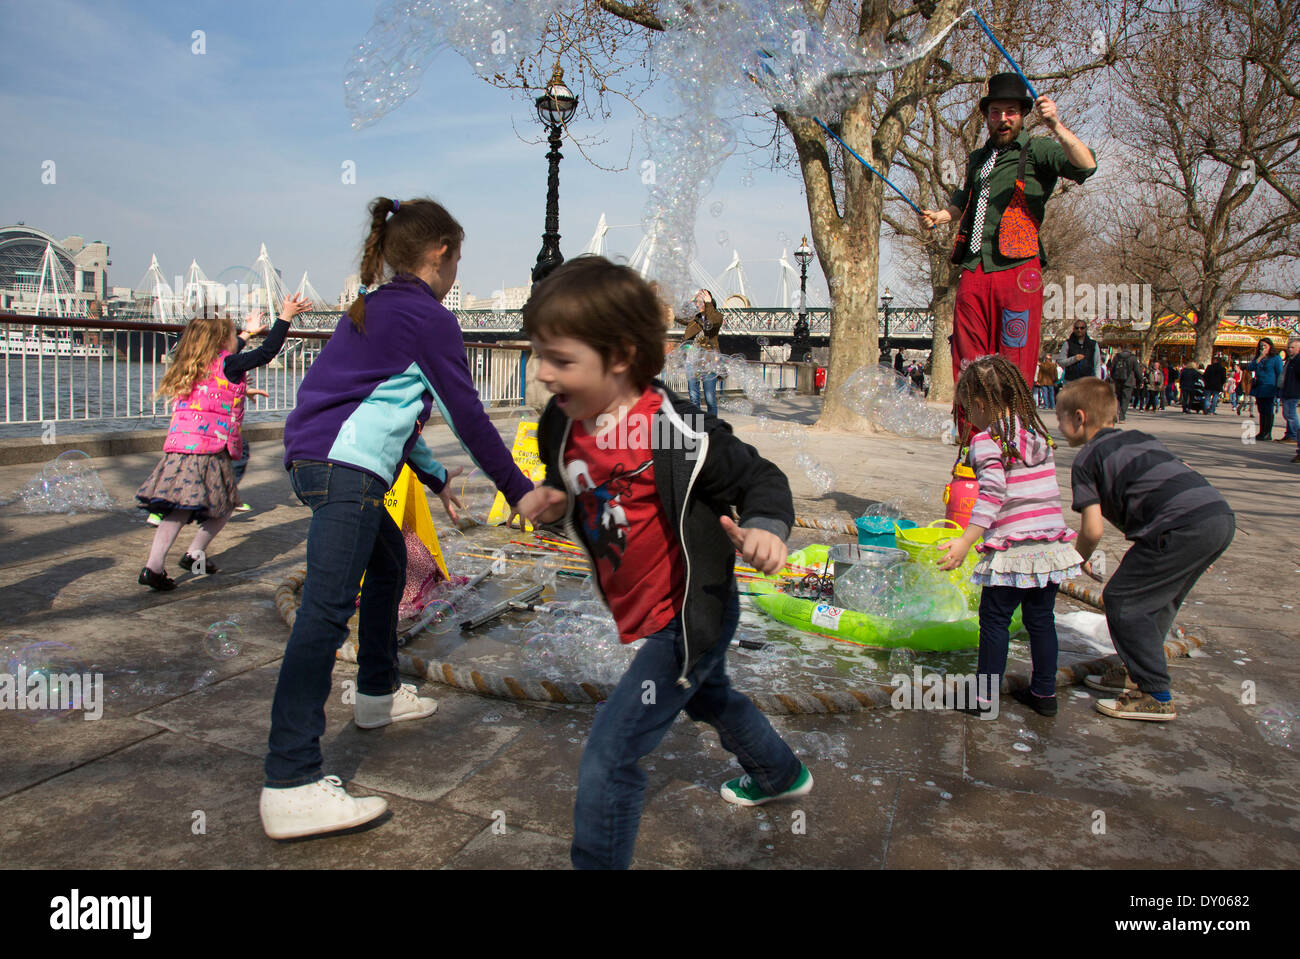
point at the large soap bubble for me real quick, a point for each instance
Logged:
(67, 484)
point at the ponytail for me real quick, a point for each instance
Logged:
(402, 243)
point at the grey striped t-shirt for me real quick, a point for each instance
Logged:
(1142, 487)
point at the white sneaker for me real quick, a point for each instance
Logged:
(319, 807)
(371, 712)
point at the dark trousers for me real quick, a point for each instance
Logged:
(1124, 393)
(1038, 611)
(1265, 404)
(351, 533)
(1150, 585)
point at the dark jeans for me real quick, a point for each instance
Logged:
(350, 534)
(997, 604)
(635, 718)
(1144, 594)
(1265, 405)
(710, 391)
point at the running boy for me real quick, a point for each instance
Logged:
(1178, 523)
(647, 491)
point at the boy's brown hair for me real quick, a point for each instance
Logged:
(1095, 397)
(608, 307)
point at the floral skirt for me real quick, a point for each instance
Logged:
(202, 482)
(1030, 564)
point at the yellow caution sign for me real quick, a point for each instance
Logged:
(408, 505)
(526, 457)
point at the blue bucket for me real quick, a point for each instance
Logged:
(879, 530)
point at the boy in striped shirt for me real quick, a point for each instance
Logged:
(1178, 523)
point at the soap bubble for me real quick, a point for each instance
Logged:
(1276, 723)
(223, 640)
(1030, 279)
(910, 592)
(820, 476)
(901, 660)
(49, 678)
(890, 402)
(716, 208)
(723, 238)
(891, 509)
(67, 484)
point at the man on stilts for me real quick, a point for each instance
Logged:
(1009, 179)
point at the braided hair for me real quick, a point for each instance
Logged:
(997, 383)
(401, 242)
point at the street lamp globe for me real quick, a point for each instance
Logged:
(556, 105)
(804, 253)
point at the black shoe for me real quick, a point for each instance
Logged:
(190, 564)
(977, 710)
(160, 582)
(1043, 705)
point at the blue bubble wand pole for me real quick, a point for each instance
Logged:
(1003, 50)
(918, 210)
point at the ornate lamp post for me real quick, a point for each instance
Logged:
(885, 299)
(554, 108)
(799, 352)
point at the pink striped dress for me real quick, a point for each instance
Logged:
(1026, 541)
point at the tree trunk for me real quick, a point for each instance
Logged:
(943, 300)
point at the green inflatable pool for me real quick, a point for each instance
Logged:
(846, 625)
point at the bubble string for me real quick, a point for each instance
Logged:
(888, 182)
(1003, 50)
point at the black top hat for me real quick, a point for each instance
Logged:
(1006, 86)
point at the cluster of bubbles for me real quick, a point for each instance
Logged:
(223, 640)
(718, 59)
(890, 402)
(906, 591)
(576, 640)
(820, 476)
(736, 372)
(1276, 723)
(67, 484)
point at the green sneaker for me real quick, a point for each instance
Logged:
(745, 792)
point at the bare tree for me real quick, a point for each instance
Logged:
(1209, 113)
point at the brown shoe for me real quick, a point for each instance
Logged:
(1114, 680)
(1135, 704)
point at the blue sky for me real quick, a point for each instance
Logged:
(159, 150)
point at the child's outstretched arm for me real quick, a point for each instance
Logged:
(986, 461)
(241, 363)
(443, 363)
(1091, 526)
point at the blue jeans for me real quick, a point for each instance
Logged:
(710, 392)
(350, 534)
(1292, 419)
(1046, 397)
(1037, 611)
(607, 813)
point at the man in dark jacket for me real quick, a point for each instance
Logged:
(1080, 355)
(1124, 369)
(1216, 376)
(1191, 388)
(1291, 393)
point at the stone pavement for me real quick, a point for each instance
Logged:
(182, 735)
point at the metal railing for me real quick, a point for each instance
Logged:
(102, 371)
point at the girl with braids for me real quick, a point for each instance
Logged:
(1027, 551)
(361, 408)
(195, 479)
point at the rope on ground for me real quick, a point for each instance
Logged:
(826, 525)
(847, 699)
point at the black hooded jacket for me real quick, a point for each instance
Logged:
(701, 471)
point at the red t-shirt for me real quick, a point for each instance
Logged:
(632, 540)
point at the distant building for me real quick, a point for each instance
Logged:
(508, 298)
(352, 284)
(452, 300)
(39, 274)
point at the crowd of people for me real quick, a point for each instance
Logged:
(1270, 379)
